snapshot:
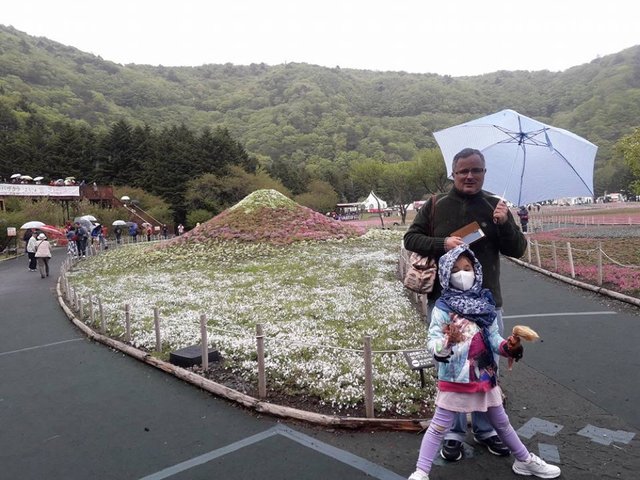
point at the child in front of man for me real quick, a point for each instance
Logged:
(463, 336)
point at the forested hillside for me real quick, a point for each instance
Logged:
(299, 121)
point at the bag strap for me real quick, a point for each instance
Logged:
(434, 198)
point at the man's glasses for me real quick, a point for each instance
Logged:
(473, 171)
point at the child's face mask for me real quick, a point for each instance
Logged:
(462, 280)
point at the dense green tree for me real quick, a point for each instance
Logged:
(401, 185)
(431, 171)
(118, 162)
(320, 197)
(629, 146)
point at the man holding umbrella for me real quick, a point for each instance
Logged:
(464, 204)
(82, 236)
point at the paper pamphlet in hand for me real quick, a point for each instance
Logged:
(469, 233)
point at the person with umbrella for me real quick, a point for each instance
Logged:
(118, 233)
(463, 205)
(31, 250)
(43, 254)
(82, 236)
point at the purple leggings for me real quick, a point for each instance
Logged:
(442, 421)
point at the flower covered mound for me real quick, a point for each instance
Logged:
(268, 216)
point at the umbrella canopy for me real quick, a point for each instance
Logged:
(26, 177)
(16, 175)
(52, 231)
(527, 161)
(91, 218)
(32, 224)
(38, 179)
(85, 222)
(120, 223)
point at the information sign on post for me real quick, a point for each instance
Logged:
(11, 231)
(419, 360)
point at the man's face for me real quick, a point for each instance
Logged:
(468, 175)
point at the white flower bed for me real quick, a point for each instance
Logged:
(310, 297)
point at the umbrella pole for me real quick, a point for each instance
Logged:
(513, 166)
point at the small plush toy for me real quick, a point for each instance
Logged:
(513, 342)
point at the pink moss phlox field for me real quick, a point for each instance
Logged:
(272, 218)
(620, 243)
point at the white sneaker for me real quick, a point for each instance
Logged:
(537, 467)
(419, 475)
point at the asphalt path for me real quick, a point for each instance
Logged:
(74, 409)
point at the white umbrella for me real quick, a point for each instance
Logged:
(527, 161)
(85, 222)
(16, 175)
(91, 218)
(32, 224)
(37, 179)
(26, 177)
(120, 223)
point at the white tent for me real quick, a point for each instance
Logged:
(373, 203)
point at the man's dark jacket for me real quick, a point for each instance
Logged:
(454, 210)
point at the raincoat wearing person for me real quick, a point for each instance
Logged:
(133, 232)
(43, 254)
(464, 339)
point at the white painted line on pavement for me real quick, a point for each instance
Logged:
(561, 314)
(39, 346)
(369, 468)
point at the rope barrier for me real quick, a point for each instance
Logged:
(589, 252)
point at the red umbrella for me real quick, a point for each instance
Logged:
(52, 231)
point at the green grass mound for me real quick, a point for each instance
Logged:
(268, 216)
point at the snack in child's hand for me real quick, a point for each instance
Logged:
(525, 332)
(518, 332)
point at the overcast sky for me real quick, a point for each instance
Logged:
(454, 37)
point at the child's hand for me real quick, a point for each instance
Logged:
(453, 332)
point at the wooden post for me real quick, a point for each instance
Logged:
(529, 250)
(127, 323)
(75, 299)
(539, 263)
(262, 381)
(600, 275)
(103, 328)
(80, 309)
(570, 255)
(204, 341)
(92, 316)
(555, 255)
(368, 378)
(156, 324)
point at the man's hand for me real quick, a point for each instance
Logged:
(501, 213)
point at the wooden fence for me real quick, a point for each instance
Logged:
(90, 311)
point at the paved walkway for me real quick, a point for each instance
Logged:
(73, 409)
